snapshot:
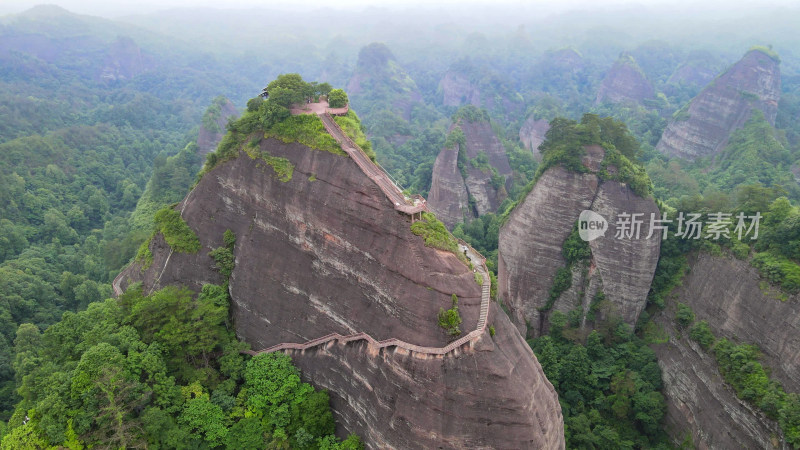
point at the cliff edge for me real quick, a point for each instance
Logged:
(325, 251)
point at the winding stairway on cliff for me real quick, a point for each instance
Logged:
(411, 207)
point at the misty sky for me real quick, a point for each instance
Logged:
(118, 8)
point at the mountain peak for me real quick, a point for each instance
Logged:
(703, 127)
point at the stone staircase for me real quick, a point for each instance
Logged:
(408, 206)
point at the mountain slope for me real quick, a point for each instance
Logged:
(702, 128)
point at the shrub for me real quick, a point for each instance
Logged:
(229, 239)
(561, 282)
(701, 333)
(574, 248)
(224, 259)
(491, 330)
(778, 270)
(337, 98)
(684, 316)
(177, 233)
(306, 129)
(144, 255)
(450, 319)
(740, 250)
(354, 129)
(434, 233)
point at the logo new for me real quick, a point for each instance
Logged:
(591, 225)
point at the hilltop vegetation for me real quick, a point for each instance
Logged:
(271, 117)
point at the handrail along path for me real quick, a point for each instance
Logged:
(408, 206)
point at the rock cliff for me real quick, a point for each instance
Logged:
(212, 129)
(532, 135)
(702, 128)
(327, 252)
(483, 160)
(530, 248)
(728, 294)
(625, 82)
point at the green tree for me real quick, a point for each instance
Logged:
(337, 98)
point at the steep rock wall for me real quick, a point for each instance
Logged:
(207, 140)
(624, 83)
(326, 252)
(699, 402)
(532, 135)
(493, 395)
(704, 128)
(701, 405)
(530, 247)
(448, 185)
(728, 294)
(457, 90)
(448, 196)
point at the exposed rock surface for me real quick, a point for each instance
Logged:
(728, 294)
(491, 396)
(448, 185)
(209, 138)
(703, 129)
(333, 255)
(532, 135)
(530, 247)
(448, 196)
(624, 83)
(699, 402)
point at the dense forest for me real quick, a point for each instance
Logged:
(98, 135)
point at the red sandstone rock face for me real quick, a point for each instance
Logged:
(532, 135)
(493, 395)
(624, 83)
(207, 140)
(723, 107)
(448, 196)
(530, 248)
(726, 293)
(450, 192)
(332, 255)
